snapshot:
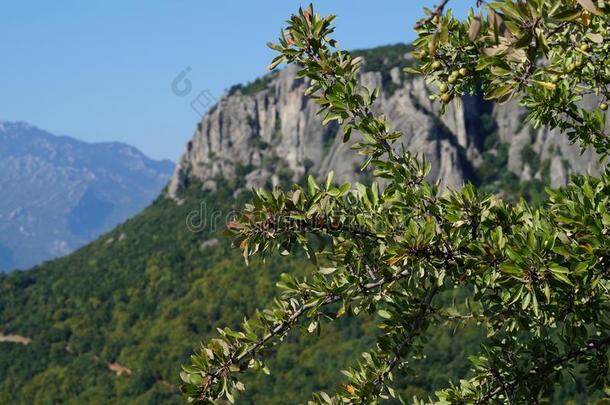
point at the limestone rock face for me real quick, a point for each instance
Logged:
(274, 134)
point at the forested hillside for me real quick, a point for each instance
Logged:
(140, 297)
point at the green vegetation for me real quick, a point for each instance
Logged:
(383, 59)
(255, 86)
(141, 301)
(142, 294)
(536, 279)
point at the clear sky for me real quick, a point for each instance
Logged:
(103, 70)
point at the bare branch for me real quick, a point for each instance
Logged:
(437, 12)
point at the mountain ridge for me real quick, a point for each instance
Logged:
(61, 192)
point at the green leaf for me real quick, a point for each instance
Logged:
(499, 92)
(562, 277)
(329, 179)
(327, 270)
(526, 301)
(535, 304)
(555, 268)
(567, 15)
(312, 186)
(344, 189)
(595, 38)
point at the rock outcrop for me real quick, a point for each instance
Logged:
(272, 132)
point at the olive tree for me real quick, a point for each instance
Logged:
(538, 278)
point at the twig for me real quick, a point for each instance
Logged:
(437, 12)
(414, 329)
(545, 368)
(213, 376)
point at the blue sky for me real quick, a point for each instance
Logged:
(103, 70)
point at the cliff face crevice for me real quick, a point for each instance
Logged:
(275, 132)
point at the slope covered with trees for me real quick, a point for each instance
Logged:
(143, 293)
(135, 297)
(139, 297)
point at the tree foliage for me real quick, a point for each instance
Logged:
(538, 278)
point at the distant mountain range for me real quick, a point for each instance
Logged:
(59, 193)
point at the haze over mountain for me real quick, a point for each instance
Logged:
(113, 321)
(60, 193)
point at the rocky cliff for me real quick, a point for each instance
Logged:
(269, 130)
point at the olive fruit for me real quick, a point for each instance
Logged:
(443, 88)
(584, 47)
(452, 79)
(446, 98)
(603, 106)
(436, 65)
(463, 72)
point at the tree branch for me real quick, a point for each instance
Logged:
(282, 328)
(547, 368)
(414, 329)
(437, 12)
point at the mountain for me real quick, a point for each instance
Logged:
(112, 322)
(268, 131)
(61, 193)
